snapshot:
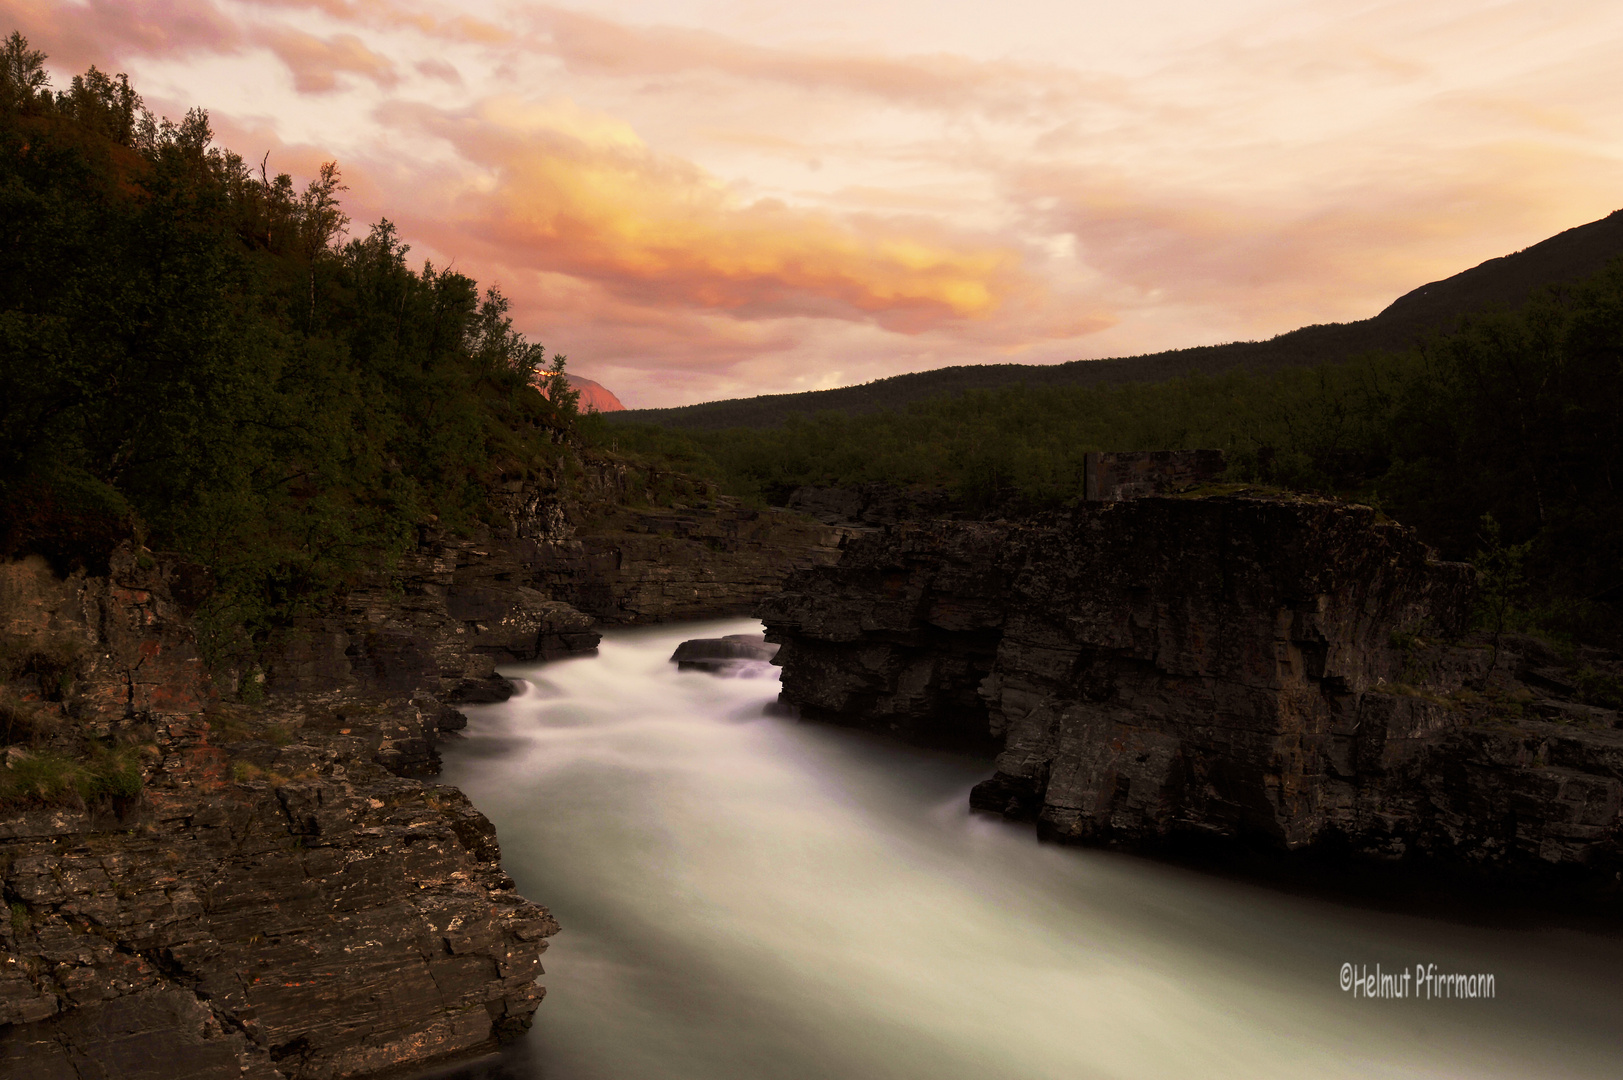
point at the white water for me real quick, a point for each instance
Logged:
(746, 896)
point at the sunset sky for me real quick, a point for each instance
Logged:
(697, 199)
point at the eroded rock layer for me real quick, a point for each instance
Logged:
(238, 891)
(1276, 669)
(244, 872)
(455, 608)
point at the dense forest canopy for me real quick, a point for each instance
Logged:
(1517, 415)
(194, 352)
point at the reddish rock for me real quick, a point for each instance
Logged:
(594, 396)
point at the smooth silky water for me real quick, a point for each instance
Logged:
(748, 896)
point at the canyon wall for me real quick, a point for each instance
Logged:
(249, 872)
(536, 586)
(1279, 670)
(202, 889)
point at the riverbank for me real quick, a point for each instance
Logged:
(746, 895)
(248, 871)
(1235, 670)
(251, 872)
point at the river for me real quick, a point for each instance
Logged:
(747, 896)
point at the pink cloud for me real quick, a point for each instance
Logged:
(104, 31)
(1278, 173)
(1333, 248)
(436, 68)
(315, 62)
(386, 13)
(937, 81)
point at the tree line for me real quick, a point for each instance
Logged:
(1505, 435)
(195, 353)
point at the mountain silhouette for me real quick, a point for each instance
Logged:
(1504, 282)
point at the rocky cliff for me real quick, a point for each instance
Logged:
(202, 889)
(249, 872)
(536, 586)
(1279, 670)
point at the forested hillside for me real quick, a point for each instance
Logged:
(194, 353)
(1503, 439)
(1504, 283)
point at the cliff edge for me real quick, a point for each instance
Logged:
(1279, 670)
(201, 889)
(249, 871)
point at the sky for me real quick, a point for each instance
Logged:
(702, 199)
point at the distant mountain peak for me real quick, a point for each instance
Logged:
(594, 396)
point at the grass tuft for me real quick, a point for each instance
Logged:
(48, 778)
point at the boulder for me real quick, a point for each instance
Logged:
(733, 654)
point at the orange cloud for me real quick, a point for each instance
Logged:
(577, 193)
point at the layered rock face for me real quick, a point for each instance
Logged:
(457, 607)
(257, 894)
(1275, 669)
(631, 566)
(438, 623)
(273, 890)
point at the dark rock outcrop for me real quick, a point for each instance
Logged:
(267, 898)
(1279, 670)
(724, 655)
(871, 504)
(272, 889)
(440, 623)
(455, 608)
(639, 566)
